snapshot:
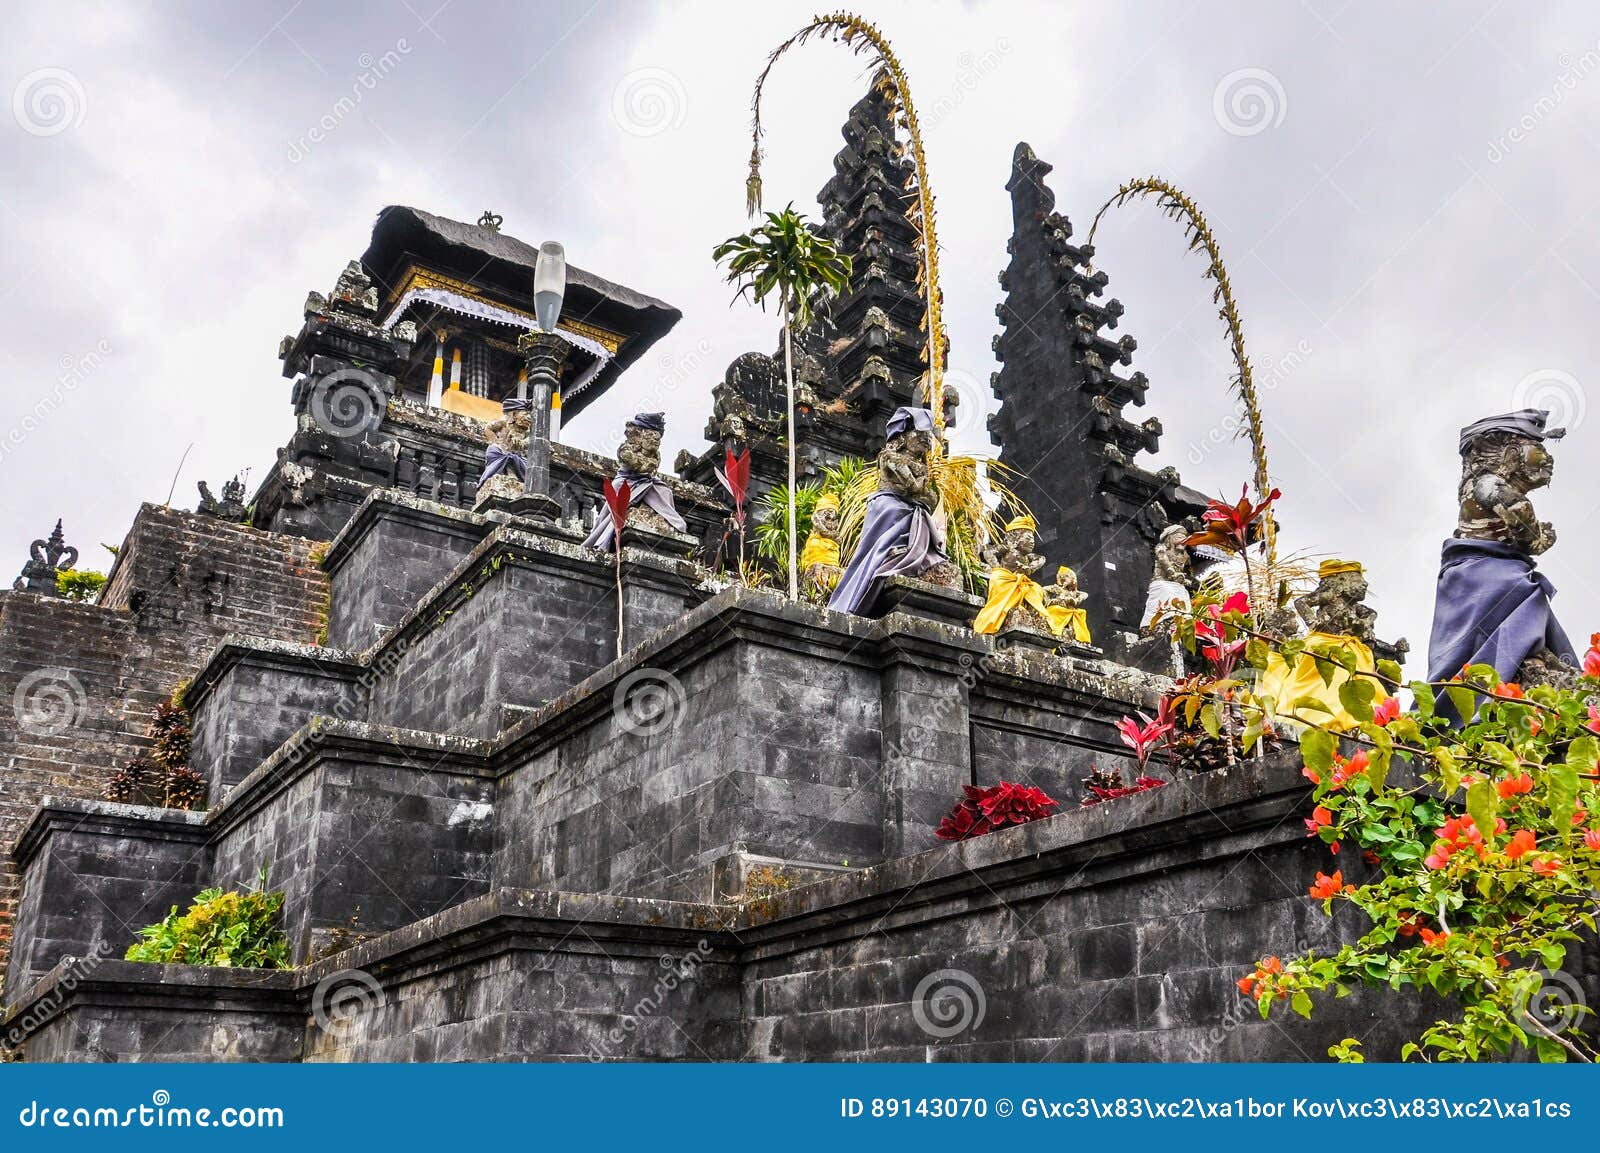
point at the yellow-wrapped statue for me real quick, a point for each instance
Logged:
(1341, 627)
(819, 558)
(1014, 594)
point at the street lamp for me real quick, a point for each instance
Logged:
(546, 352)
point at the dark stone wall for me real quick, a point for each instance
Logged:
(180, 583)
(252, 696)
(95, 873)
(390, 554)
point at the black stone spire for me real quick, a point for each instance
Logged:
(1062, 387)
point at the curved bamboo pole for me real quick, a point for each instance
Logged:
(859, 35)
(1175, 203)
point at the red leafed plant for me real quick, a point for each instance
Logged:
(1099, 793)
(735, 477)
(1232, 527)
(618, 500)
(985, 810)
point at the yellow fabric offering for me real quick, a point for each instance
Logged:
(1009, 589)
(1330, 568)
(819, 549)
(1286, 686)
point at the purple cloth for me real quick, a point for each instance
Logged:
(497, 460)
(647, 489)
(1492, 608)
(897, 539)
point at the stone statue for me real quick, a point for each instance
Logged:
(1492, 605)
(505, 465)
(1170, 580)
(1014, 596)
(900, 536)
(1063, 606)
(1337, 605)
(819, 558)
(650, 504)
(231, 507)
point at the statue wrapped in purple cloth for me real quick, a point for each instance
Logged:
(650, 502)
(899, 536)
(1493, 606)
(505, 467)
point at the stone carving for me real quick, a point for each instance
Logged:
(506, 461)
(1171, 581)
(1492, 605)
(1337, 605)
(651, 508)
(1063, 605)
(232, 505)
(45, 559)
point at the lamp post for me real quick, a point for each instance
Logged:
(546, 352)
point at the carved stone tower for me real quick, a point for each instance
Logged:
(1060, 421)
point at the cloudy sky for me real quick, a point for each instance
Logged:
(1402, 195)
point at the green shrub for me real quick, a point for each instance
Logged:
(79, 584)
(227, 929)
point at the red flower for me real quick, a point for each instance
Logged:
(1344, 770)
(1247, 986)
(1271, 965)
(1591, 663)
(1317, 820)
(1407, 926)
(1521, 842)
(1100, 793)
(1514, 786)
(1594, 719)
(1544, 866)
(1429, 937)
(1591, 840)
(1387, 711)
(1370, 857)
(1326, 886)
(1311, 775)
(1510, 690)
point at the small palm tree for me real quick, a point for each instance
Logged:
(786, 256)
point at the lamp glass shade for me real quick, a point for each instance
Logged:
(549, 285)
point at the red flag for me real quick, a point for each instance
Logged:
(618, 501)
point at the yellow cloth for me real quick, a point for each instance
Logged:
(818, 549)
(1025, 521)
(1286, 686)
(1009, 589)
(1330, 568)
(1061, 618)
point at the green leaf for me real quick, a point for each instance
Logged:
(1482, 805)
(1424, 700)
(1464, 701)
(1390, 670)
(1449, 771)
(1563, 777)
(1317, 746)
(1255, 652)
(1208, 719)
(1356, 696)
(1301, 1003)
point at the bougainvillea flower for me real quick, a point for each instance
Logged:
(1544, 866)
(1387, 711)
(1429, 937)
(1591, 663)
(1344, 770)
(1327, 886)
(1521, 842)
(1510, 690)
(1591, 840)
(1247, 986)
(1311, 775)
(1514, 786)
(1594, 719)
(1319, 818)
(1370, 857)
(1407, 926)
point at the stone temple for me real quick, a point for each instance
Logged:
(499, 839)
